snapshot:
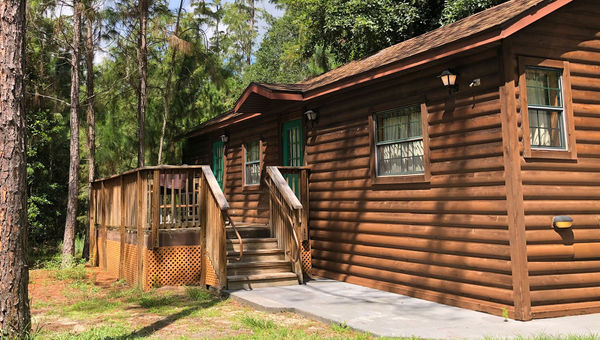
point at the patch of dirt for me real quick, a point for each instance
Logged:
(183, 317)
(45, 289)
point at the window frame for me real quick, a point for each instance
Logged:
(245, 185)
(569, 152)
(424, 177)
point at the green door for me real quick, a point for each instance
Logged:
(293, 152)
(217, 163)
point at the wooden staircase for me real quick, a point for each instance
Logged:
(263, 264)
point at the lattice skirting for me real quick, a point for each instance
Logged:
(173, 266)
(305, 257)
(211, 275)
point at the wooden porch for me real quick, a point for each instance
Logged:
(170, 225)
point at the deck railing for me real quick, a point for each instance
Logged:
(286, 215)
(164, 198)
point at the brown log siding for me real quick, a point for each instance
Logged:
(559, 284)
(445, 240)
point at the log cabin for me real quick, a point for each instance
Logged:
(461, 166)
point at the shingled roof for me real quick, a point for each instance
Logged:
(481, 28)
(492, 18)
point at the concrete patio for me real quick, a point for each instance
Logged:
(386, 314)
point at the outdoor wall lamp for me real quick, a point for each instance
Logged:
(311, 115)
(224, 138)
(449, 80)
(562, 222)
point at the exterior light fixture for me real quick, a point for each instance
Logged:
(562, 222)
(224, 138)
(311, 115)
(449, 80)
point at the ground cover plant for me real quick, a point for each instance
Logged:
(86, 303)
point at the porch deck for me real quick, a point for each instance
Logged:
(170, 225)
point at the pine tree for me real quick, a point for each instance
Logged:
(143, 74)
(14, 277)
(68, 248)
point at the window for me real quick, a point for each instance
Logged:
(546, 108)
(399, 141)
(217, 164)
(252, 163)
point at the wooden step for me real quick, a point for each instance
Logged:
(252, 244)
(249, 231)
(258, 267)
(261, 280)
(257, 255)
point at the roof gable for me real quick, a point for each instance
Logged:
(480, 29)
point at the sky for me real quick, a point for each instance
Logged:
(174, 4)
(264, 4)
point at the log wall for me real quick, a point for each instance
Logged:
(448, 239)
(249, 204)
(559, 283)
(445, 240)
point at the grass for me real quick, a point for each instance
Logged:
(68, 304)
(257, 324)
(552, 337)
(82, 310)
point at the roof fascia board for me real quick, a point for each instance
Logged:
(222, 124)
(267, 93)
(443, 52)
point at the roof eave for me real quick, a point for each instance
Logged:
(267, 93)
(489, 36)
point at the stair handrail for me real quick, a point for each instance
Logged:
(237, 234)
(294, 256)
(222, 204)
(279, 187)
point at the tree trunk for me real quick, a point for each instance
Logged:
(143, 74)
(168, 87)
(68, 249)
(251, 29)
(14, 277)
(91, 119)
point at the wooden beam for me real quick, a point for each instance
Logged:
(140, 231)
(122, 237)
(155, 207)
(514, 185)
(282, 186)
(305, 203)
(202, 211)
(92, 227)
(214, 188)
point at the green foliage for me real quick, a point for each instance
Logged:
(257, 323)
(209, 74)
(153, 301)
(455, 10)
(74, 272)
(104, 331)
(340, 328)
(197, 294)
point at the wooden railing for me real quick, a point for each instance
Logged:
(286, 215)
(151, 199)
(297, 179)
(216, 217)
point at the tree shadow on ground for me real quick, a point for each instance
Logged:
(170, 319)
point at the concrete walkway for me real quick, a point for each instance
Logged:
(387, 314)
